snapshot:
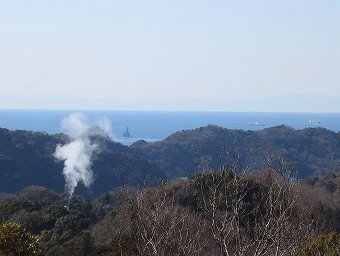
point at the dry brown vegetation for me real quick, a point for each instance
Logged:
(222, 210)
(230, 211)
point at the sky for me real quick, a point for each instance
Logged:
(255, 55)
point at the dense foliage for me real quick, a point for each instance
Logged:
(54, 218)
(26, 159)
(311, 150)
(326, 245)
(176, 218)
(15, 241)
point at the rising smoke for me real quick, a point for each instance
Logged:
(78, 153)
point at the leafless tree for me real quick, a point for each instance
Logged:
(235, 212)
(162, 227)
(248, 217)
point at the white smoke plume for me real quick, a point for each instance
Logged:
(75, 124)
(104, 123)
(77, 155)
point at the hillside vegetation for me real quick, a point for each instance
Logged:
(211, 213)
(311, 150)
(26, 158)
(241, 195)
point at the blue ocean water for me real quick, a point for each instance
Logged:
(153, 125)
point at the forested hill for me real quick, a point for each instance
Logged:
(176, 217)
(26, 158)
(311, 150)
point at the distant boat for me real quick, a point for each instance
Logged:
(314, 122)
(255, 124)
(126, 134)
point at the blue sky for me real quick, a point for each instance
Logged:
(170, 55)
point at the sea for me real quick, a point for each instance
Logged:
(156, 125)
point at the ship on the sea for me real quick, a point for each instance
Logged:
(314, 122)
(127, 134)
(256, 124)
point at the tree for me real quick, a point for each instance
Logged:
(162, 227)
(15, 241)
(248, 217)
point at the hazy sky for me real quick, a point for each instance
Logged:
(170, 54)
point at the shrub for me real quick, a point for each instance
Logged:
(325, 245)
(14, 240)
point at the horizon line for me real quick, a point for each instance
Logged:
(165, 110)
